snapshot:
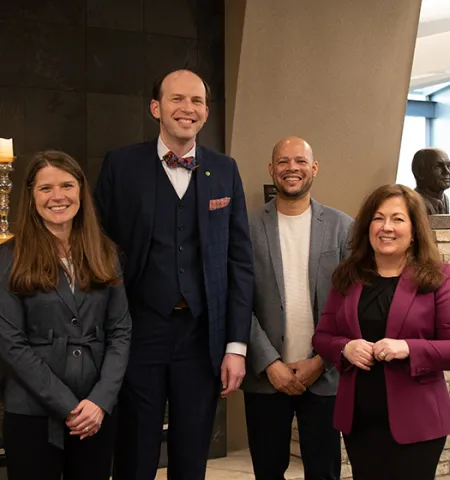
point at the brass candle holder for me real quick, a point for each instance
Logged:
(6, 169)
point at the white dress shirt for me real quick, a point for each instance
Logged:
(179, 178)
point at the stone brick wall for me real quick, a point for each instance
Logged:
(443, 240)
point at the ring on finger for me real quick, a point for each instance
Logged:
(382, 355)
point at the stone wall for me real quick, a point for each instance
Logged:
(443, 240)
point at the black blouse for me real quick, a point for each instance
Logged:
(373, 310)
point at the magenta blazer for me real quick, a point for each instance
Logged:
(417, 397)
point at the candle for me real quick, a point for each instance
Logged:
(6, 150)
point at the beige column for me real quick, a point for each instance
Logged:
(333, 72)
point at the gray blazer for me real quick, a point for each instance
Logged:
(329, 239)
(61, 347)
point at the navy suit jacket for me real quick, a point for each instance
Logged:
(126, 198)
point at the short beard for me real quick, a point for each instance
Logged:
(299, 194)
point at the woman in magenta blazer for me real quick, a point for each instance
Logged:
(386, 327)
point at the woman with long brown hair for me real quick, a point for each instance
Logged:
(64, 329)
(386, 327)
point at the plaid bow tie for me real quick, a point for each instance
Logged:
(190, 163)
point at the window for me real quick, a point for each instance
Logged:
(414, 138)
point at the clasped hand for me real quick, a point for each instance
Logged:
(362, 353)
(85, 420)
(294, 378)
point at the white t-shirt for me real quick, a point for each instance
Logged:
(295, 234)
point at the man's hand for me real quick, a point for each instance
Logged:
(389, 349)
(232, 372)
(309, 370)
(85, 420)
(359, 353)
(283, 378)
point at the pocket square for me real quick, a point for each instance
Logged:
(219, 203)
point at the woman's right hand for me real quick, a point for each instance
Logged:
(359, 353)
(85, 420)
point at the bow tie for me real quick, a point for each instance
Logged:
(190, 163)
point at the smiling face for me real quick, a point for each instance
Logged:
(293, 168)
(182, 109)
(57, 197)
(391, 229)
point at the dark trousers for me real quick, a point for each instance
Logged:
(29, 456)
(269, 423)
(169, 361)
(375, 455)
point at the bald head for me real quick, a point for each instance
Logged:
(183, 76)
(424, 158)
(180, 105)
(292, 144)
(293, 168)
(431, 169)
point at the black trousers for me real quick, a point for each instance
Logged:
(169, 362)
(269, 423)
(375, 455)
(29, 456)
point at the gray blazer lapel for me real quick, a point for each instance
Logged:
(64, 291)
(79, 295)
(270, 221)
(315, 248)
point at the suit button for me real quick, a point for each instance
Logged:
(181, 206)
(77, 353)
(181, 270)
(180, 249)
(181, 227)
(75, 322)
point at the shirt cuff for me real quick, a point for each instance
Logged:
(238, 348)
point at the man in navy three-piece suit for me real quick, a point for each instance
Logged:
(177, 212)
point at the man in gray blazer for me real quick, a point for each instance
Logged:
(297, 243)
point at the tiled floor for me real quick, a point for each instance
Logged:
(238, 466)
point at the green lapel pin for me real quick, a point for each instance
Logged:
(207, 173)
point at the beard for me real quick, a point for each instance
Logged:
(294, 194)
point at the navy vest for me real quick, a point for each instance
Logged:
(174, 267)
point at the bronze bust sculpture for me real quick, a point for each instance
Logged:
(431, 169)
